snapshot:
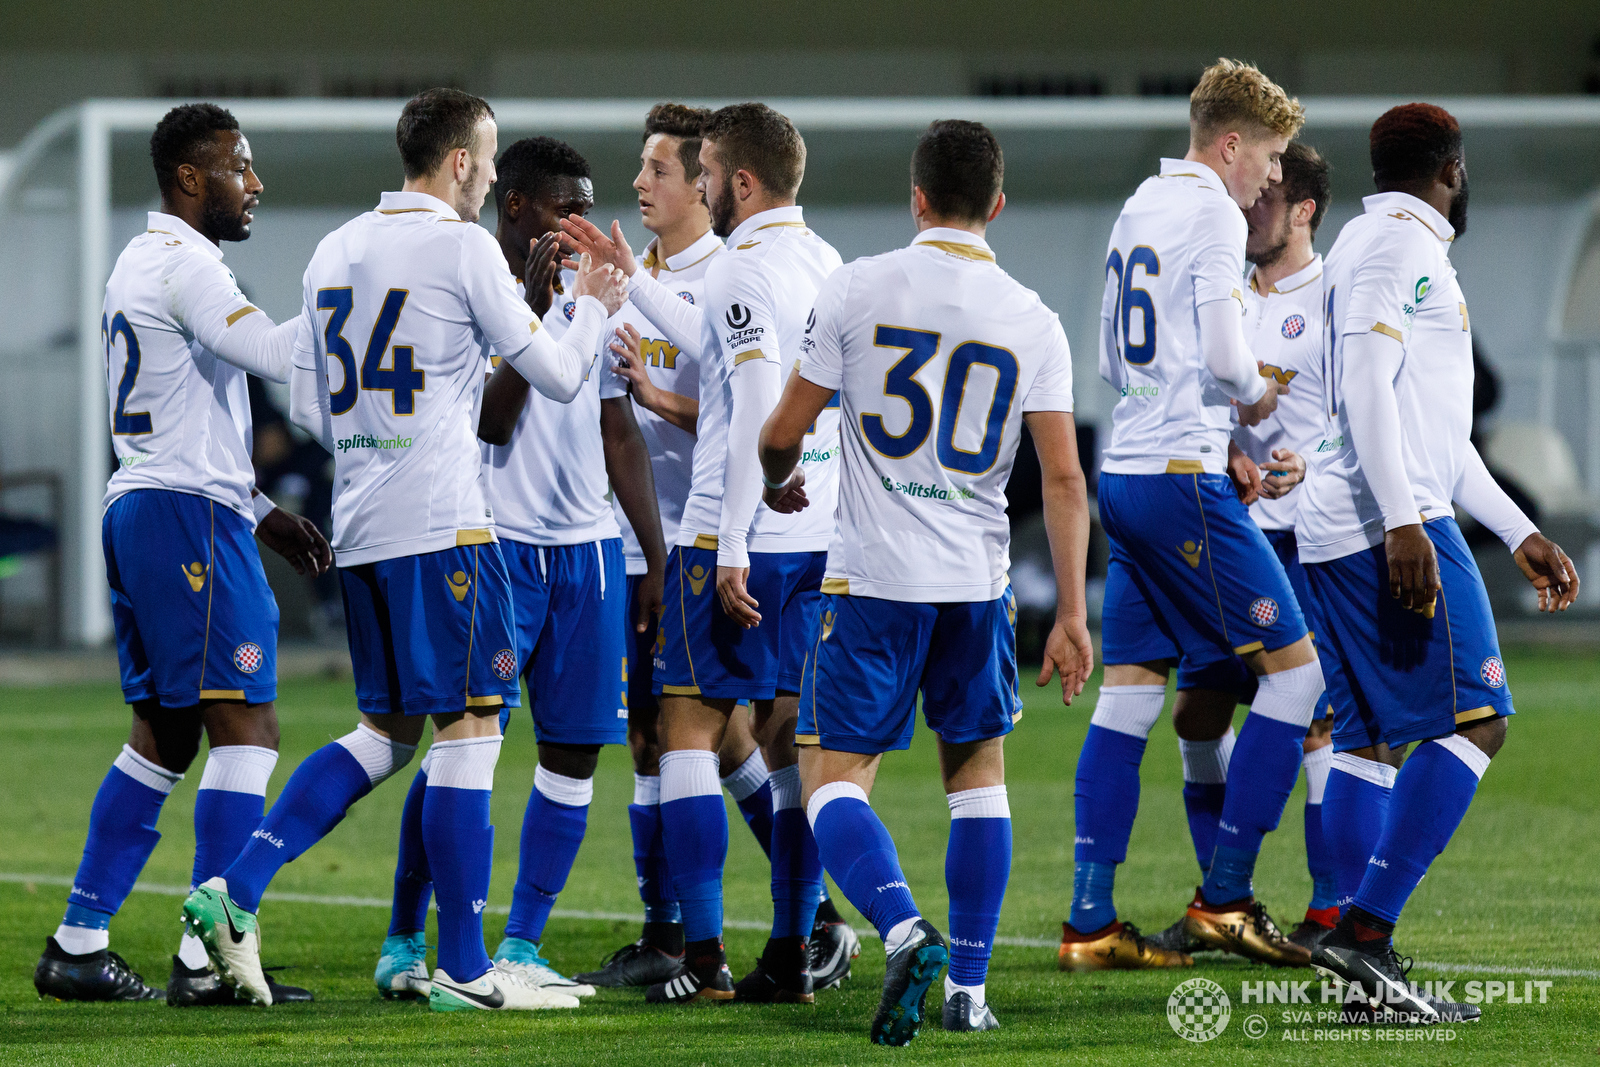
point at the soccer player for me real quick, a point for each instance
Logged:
(427, 596)
(550, 466)
(937, 356)
(742, 582)
(197, 649)
(1385, 560)
(1191, 576)
(1283, 327)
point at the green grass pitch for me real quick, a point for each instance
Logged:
(1513, 899)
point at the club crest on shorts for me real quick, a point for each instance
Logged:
(247, 657)
(504, 665)
(1493, 672)
(686, 296)
(1294, 326)
(1263, 611)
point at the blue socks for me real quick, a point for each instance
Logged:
(796, 864)
(1319, 860)
(694, 827)
(413, 879)
(857, 850)
(751, 791)
(1261, 774)
(122, 834)
(1431, 796)
(228, 806)
(460, 845)
(552, 831)
(313, 802)
(649, 854)
(977, 865)
(1355, 805)
(1205, 784)
(1107, 796)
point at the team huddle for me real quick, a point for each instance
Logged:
(739, 505)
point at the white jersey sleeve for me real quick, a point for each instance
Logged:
(743, 299)
(203, 297)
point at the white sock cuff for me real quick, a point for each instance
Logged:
(379, 756)
(833, 791)
(747, 778)
(239, 769)
(1379, 774)
(689, 772)
(1206, 762)
(465, 763)
(144, 772)
(1476, 759)
(1129, 709)
(985, 802)
(785, 788)
(1318, 762)
(647, 790)
(573, 792)
(1293, 696)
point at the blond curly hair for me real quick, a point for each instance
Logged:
(1236, 97)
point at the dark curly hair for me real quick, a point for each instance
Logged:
(181, 135)
(531, 163)
(1411, 143)
(685, 123)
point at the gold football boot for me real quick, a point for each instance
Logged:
(1244, 928)
(1117, 947)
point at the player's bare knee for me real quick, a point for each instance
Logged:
(402, 729)
(1286, 658)
(233, 723)
(1488, 736)
(1202, 714)
(167, 737)
(1153, 673)
(1319, 736)
(570, 761)
(972, 764)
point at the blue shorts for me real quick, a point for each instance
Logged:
(1409, 678)
(570, 604)
(701, 652)
(194, 616)
(871, 657)
(1191, 576)
(642, 703)
(432, 634)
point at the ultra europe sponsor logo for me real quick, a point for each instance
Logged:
(362, 440)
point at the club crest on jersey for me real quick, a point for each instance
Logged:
(569, 309)
(697, 579)
(196, 573)
(686, 296)
(738, 316)
(504, 665)
(1294, 326)
(459, 583)
(1493, 672)
(1263, 611)
(247, 657)
(1190, 551)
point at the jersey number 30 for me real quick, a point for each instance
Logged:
(400, 380)
(921, 346)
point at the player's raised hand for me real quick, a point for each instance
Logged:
(297, 540)
(1287, 470)
(737, 603)
(1413, 568)
(586, 237)
(1549, 570)
(1068, 650)
(790, 497)
(1261, 410)
(1244, 473)
(603, 282)
(539, 276)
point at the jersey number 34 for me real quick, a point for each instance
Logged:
(401, 380)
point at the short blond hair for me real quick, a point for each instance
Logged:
(1234, 96)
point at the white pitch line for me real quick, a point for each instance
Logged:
(732, 924)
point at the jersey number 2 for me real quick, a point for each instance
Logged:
(401, 380)
(123, 421)
(921, 346)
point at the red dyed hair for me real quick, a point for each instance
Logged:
(1412, 142)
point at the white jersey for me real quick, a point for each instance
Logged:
(1284, 328)
(1178, 244)
(410, 301)
(758, 296)
(931, 411)
(548, 485)
(180, 416)
(671, 449)
(1390, 272)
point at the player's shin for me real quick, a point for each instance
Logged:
(413, 879)
(1323, 908)
(650, 857)
(1205, 784)
(122, 834)
(695, 829)
(857, 850)
(1355, 805)
(1261, 774)
(977, 866)
(751, 790)
(552, 832)
(227, 809)
(460, 845)
(1106, 797)
(796, 865)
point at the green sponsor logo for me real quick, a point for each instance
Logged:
(1328, 444)
(928, 492)
(1141, 390)
(361, 440)
(1422, 288)
(819, 455)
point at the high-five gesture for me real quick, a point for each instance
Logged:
(602, 282)
(590, 240)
